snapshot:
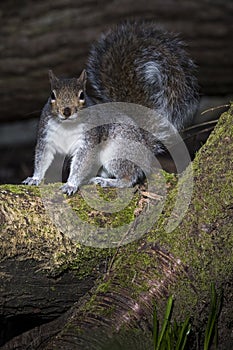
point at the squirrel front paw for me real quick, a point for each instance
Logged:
(69, 189)
(31, 181)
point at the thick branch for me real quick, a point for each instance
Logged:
(183, 261)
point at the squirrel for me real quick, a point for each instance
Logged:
(134, 62)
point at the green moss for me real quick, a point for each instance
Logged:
(20, 189)
(171, 179)
(104, 218)
(84, 263)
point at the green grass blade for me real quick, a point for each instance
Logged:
(212, 318)
(168, 337)
(175, 329)
(183, 334)
(165, 321)
(155, 328)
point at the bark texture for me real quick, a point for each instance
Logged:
(116, 313)
(37, 36)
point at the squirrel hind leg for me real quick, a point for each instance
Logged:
(118, 173)
(110, 182)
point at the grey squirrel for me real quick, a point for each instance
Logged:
(134, 62)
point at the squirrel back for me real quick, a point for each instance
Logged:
(138, 62)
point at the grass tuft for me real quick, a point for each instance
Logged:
(174, 336)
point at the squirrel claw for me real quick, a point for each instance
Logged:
(31, 181)
(69, 189)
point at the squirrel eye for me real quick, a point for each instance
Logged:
(53, 96)
(81, 96)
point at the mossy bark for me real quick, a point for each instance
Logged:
(117, 311)
(42, 271)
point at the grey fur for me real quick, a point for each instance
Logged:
(135, 63)
(64, 134)
(139, 62)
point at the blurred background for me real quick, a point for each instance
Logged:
(40, 35)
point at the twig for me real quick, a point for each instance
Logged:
(151, 195)
(201, 124)
(214, 108)
(198, 133)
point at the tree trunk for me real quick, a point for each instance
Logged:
(38, 282)
(37, 36)
(117, 311)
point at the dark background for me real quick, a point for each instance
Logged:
(37, 36)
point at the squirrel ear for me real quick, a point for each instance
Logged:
(52, 77)
(83, 78)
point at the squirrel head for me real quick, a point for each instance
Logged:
(67, 95)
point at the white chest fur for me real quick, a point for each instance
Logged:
(65, 137)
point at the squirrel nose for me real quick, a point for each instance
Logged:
(67, 111)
